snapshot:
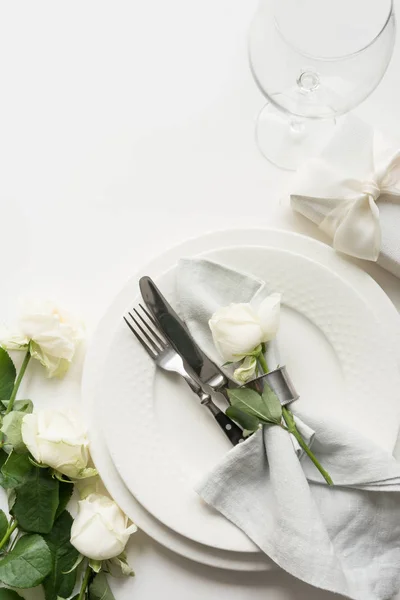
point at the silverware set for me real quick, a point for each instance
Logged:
(167, 340)
(153, 340)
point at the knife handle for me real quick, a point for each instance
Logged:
(231, 430)
(229, 427)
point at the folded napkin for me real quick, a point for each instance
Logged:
(345, 539)
(352, 192)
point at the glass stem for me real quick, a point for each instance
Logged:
(297, 125)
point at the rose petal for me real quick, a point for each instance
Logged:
(100, 529)
(236, 331)
(29, 432)
(269, 316)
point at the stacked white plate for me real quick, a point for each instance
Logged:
(152, 441)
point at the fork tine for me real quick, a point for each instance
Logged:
(149, 339)
(149, 350)
(153, 330)
(148, 315)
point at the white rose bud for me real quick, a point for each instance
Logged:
(58, 440)
(238, 329)
(246, 370)
(100, 530)
(52, 332)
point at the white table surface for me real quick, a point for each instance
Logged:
(126, 127)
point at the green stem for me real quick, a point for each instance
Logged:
(18, 381)
(85, 582)
(263, 363)
(8, 534)
(291, 426)
(12, 545)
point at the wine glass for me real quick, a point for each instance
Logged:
(315, 60)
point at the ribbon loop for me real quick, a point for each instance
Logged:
(341, 190)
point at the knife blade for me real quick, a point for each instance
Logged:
(204, 370)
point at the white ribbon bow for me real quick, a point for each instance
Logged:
(340, 189)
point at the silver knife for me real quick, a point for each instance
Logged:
(198, 363)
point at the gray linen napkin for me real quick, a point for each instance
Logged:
(344, 539)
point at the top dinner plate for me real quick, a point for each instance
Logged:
(163, 442)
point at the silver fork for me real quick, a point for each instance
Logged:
(165, 357)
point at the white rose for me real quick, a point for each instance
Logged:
(52, 332)
(100, 530)
(238, 329)
(58, 440)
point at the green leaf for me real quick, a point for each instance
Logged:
(118, 566)
(27, 564)
(99, 588)
(3, 524)
(11, 497)
(3, 458)
(64, 496)
(244, 419)
(272, 404)
(7, 374)
(25, 406)
(63, 555)
(250, 402)
(11, 428)
(37, 502)
(15, 470)
(75, 565)
(6, 594)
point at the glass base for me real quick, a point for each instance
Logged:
(287, 141)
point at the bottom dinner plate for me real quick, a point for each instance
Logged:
(367, 289)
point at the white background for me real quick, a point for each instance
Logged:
(126, 127)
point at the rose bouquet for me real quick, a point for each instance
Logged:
(43, 456)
